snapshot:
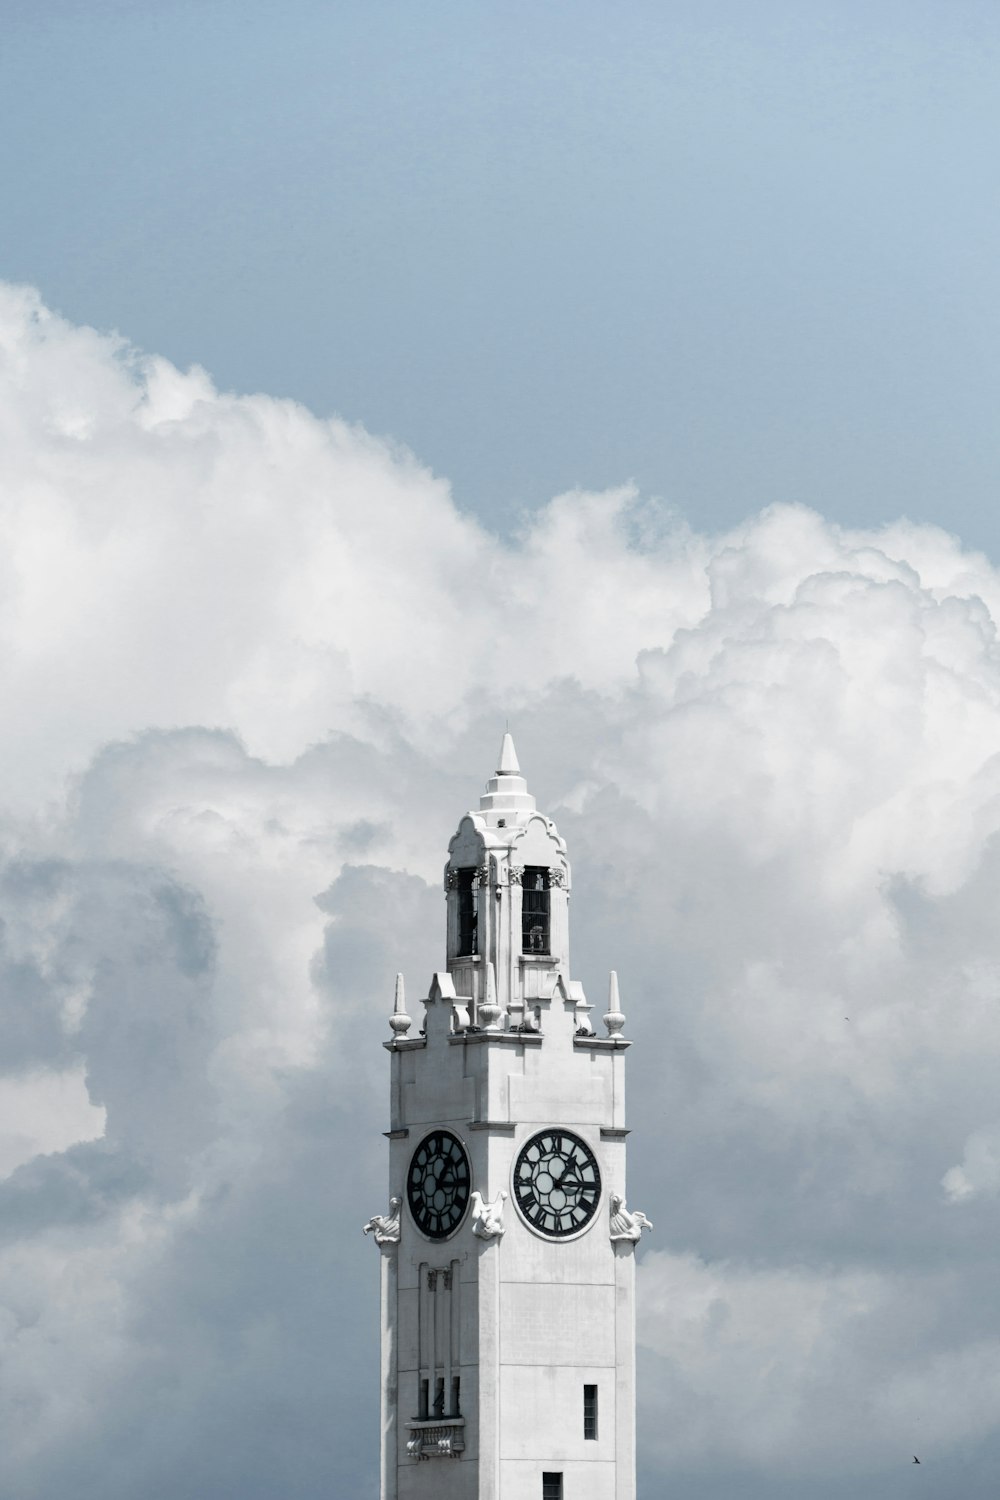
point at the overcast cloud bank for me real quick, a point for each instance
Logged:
(254, 666)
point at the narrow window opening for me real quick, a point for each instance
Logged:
(422, 1413)
(468, 912)
(552, 1487)
(439, 1397)
(535, 909)
(456, 1396)
(590, 1411)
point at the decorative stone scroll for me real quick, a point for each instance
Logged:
(385, 1227)
(515, 875)
(487, 1218)
(557, 878)
(483, 874)
(625, 1225)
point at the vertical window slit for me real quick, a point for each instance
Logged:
(590, 1411)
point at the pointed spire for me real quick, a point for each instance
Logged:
(508, 765)
(399, 1021)
(507, 792)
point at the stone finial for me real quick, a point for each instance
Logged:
(487, 1218)
(625, 1225)
(399, 1021)
(613, 1018)
(385, 1227)
(489, 1011)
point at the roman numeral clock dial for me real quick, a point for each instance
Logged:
(557, 1183)
(437, 1185)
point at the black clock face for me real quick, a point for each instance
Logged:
(437, 1185)
(557, 1182)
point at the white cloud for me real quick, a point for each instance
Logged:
(190, 557)
(257, 664)
(45, 1111)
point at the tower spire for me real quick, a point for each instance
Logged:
(508, 764)
(507, 791)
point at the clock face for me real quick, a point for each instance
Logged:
(437, 1185)
(557, 1182)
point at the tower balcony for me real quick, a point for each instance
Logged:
(440, 1437)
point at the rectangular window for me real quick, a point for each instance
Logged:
(535, 909)
(456, 1396)
(468, 914)
(590, 1411)
(552, 1487)
(422, 1411)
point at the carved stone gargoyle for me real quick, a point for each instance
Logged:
(625, 1225)
(487, 1218)
(385, 1227)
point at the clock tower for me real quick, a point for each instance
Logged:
(507, 1252)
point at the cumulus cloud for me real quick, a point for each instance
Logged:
(256, 665)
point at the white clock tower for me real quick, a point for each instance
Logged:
(508, 1278)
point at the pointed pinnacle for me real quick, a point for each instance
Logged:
(613, 1018)
(508, 758)
(399, 1021)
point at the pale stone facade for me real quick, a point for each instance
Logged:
(508, 1304)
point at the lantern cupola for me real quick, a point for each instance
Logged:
(507, 881)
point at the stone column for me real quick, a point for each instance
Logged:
(489, 1371)
(390, 1377)
(624, 1370)
(432, 1301)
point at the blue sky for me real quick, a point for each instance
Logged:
(738, 254)
(627, 372)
